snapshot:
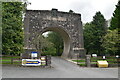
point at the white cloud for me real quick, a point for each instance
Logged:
(87, 8)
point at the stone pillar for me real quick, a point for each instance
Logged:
(88, 62)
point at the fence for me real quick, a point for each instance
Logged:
(112, 61)
(8, 60)
(17, 60)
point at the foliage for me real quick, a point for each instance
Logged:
(99, 31)
(115, 22)
(41, 44)
(111, 41)
(89, 37)
(95, 37)
(49, 51)
(93, 33)
(57, 41)
(52, 44)
(100, 23)
(12, 33)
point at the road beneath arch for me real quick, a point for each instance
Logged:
(61, 69)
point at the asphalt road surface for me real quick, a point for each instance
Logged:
(60, 69)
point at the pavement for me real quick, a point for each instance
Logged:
(60, 69)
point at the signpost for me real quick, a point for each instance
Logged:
(31, 62)
(35, 61)
(34, 55)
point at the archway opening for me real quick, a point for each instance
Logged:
(55, 42)
(65, 37)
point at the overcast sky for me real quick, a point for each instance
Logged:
(87, 8)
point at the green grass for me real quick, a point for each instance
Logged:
(110, 60)
(9, 57)
(94, 61)
(82, 64)
(7, 60)
(6, 63)
(13, 62)
(78, 60)
(101, 59)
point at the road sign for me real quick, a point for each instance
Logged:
(31, 62)
(33, 54)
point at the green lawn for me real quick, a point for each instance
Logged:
(7, 60)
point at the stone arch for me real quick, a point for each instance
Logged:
(65, 36)
(69, 25)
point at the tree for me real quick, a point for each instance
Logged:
(57, 41)
(100, 30)
(12, 33)
(100, 23)
(93, 33)
(115, 22)
(89, 38)
(111, 42)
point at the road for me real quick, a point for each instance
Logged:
(60, 69)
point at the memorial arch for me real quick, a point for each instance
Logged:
(67, 24)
